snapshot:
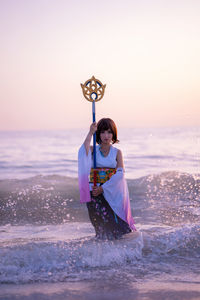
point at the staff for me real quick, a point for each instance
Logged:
(93, 91)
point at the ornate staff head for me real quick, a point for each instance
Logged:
(93, 89)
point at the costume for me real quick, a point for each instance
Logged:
(109, 212)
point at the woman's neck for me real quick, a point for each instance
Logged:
(105, 146)
(104, 149)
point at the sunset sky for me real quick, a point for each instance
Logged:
(147, 53)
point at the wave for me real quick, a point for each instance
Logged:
(59, 261)
(169, 198)
(182, 241)
(86, 258)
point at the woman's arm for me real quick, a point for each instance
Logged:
(93, 129)
(119, 158)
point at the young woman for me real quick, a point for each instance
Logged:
(108, 203)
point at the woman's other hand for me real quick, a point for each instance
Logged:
(97, 190)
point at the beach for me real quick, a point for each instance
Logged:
(103, 291)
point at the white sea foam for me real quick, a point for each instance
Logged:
(51, 257)
(50, 261)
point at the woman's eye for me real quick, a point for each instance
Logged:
(108, 131)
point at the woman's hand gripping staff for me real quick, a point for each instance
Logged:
(93, 129)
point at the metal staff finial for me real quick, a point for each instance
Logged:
(93, 89)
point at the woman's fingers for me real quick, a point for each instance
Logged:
(93, 127)
(96, 191)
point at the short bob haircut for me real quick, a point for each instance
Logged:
(106, 124)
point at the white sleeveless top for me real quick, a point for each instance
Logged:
(109, 161)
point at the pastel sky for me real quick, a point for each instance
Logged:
(146, 51)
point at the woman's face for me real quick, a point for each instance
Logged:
(106, 137)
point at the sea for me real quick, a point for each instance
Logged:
(48, 248)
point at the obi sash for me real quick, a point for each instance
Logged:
(102, 174)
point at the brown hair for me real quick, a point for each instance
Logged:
(105, 124)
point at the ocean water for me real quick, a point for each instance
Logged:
(45, 233)
(146, 151)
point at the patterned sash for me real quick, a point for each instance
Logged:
(102, 174)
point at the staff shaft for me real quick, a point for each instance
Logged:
(94, 142)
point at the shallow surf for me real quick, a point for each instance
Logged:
(47, 245)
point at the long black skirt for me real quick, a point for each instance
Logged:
(106, 223)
